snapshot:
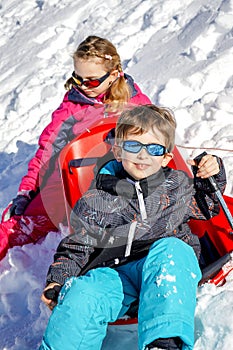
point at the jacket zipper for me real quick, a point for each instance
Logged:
(133, 225)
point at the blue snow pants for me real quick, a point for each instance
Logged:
(165, 282)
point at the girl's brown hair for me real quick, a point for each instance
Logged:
(141, 119)
(93, 46)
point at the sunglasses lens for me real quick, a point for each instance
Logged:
(155, 150)
(91, 83)
(132, 146)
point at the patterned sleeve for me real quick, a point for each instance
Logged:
(69, 259)
(204, 204)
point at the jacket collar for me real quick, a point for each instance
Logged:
(76, 96)
(118, 182)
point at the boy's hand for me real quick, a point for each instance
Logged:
(208, 166)
(50, 294)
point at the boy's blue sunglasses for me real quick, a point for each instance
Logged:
(89, 83)
(153, 149)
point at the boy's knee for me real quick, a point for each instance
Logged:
(98, 284)
(173, 253)
(100, 290)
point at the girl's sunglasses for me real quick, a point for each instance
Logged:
(153, 149)
(89, 83)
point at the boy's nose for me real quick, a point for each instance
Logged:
(143, 153)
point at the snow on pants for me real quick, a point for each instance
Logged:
(165, 283)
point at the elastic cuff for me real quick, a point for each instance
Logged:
(25, 193)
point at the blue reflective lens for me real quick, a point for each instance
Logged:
(153, 149)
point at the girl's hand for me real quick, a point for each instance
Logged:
(208, 166)
(51, 303)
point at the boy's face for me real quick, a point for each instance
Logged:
(142, 164)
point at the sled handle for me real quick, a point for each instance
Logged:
(80, 162)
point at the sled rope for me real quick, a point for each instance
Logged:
(209, 148)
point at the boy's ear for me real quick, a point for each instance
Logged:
(117, 152)
(166, 159)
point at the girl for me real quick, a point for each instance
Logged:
(98, 87)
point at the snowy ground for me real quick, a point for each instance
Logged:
(180, 53)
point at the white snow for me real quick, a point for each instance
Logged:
(180, 53)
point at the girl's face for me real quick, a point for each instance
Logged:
(93, 69)
(141, 165)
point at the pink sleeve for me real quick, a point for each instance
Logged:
(38, 164)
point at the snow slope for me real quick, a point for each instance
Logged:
(180, 53)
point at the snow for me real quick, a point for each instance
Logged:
(180, 53)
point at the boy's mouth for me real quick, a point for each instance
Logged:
(141, 166)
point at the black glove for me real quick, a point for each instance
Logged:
(52, 293)
(20, 203)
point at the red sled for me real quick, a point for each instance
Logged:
(77, 162)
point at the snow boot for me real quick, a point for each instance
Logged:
(165, 344)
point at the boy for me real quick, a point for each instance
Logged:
(132, 242)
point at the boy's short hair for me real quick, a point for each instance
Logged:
(140, 119)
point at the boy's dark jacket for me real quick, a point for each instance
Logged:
(107, 216)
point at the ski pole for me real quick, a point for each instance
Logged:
(221, 201)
